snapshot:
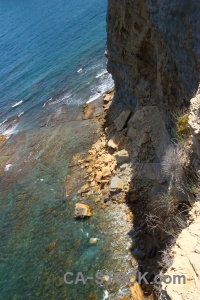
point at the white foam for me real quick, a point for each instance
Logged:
(80, 71)
(106, 83)
(3, 122)
(20, 114)
(46, 102)
(7, 167)
(18, 103)
(104, 72)
(10, 131)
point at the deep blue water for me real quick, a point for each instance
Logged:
(42, 46)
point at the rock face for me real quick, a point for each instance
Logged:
(153, 51)
(186, 262)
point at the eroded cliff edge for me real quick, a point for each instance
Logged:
(154, 57)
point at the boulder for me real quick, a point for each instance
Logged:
(107, 98)
(82, 211)
(122, 156)
(112, 144)
(116, 184)
(106, 171)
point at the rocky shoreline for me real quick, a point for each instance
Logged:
(108, 172)
(119, 169)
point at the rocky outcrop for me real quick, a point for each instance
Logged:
(153, 51)
(186, 262)
(154, 57)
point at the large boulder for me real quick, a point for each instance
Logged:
(82, 211)
(116, 184)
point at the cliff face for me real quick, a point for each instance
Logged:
(153, 51)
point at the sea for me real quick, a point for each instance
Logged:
(51, 63)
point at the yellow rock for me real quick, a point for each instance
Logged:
(82, 211)
(106, 171)
(2, 139)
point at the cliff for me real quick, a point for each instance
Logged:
(154, 57)
(153, 51)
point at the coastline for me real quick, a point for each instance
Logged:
(36, 167)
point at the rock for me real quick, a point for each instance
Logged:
(136, 291)
(151, 252)
(121, 121)
(112, 144)
(105, 191)
(116, 184)
(122, 156)
(93, 241)
(107, 98)
(2, 139)
(138, 254)
(98, 199)
(84, 189)
(106, 171)
(194, 123)
(186, 262)
(82, 211)
(108, 158)
(98, 176)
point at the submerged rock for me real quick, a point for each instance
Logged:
(93, 241)
(82, 211)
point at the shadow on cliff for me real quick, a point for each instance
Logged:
(158, 215)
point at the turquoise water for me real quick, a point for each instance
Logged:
(40, 240)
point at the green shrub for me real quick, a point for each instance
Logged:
(182, 127)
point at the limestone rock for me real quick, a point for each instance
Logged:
(116, 184)
(107, 98)
(99, 176)
(106, 171)
(82, 211)
(112, 144)
(122, 156)
(186, 258)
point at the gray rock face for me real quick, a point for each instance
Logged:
(153, 50)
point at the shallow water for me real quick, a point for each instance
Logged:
(40, 239)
